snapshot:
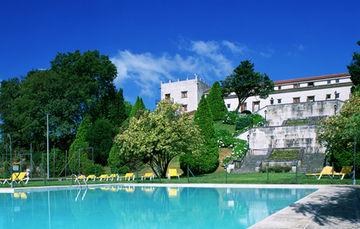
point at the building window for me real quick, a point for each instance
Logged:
(296, 100)
(279, 87)
(184, 94)
(272, 101)
(311, 98)
(337, 95)
(256, 106)
(184, 107)
(337, 81)
(228, 105)
(297, 85)
(167, 96)
(279, 100)
(328, 96)
(310, 84)
(329, 82)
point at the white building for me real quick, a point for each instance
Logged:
(185, 92)
(317, 88)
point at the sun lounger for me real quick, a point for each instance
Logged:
(23, 177)
(344, 171)
(327, 170)
(129, 176)
(17, 178)
(148, 175)
(173, 173)
(11, 179)
(103, 177)
(80, 178)
(91, 177)
(114, 176)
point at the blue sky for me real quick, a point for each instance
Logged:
(153, 41)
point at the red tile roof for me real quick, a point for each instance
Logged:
(330, 76)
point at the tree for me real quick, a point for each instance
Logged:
(77, 84)
(339, 132)
(207, 160)
(158, 137)
(216, 102)
(245, 82)
(138, 107)
(78, 150)
(100, 138)
(354, 69)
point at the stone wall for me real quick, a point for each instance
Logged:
(262, 140)
(277, 114)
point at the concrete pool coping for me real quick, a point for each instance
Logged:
(328, 207)
(208, 185)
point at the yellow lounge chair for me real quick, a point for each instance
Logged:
(149, 175)
(172, 173)
(129, 176)
(11, 179)
(114, 176)
(17, 178)
(22, 178)
(103, 177)
(344, 171)
(91, 177)
(80, 178)
(327, 170)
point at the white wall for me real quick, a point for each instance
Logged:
(194, 87)
(287, 97)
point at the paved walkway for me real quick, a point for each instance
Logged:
(329, 207)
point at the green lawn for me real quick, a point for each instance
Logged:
(222, 177)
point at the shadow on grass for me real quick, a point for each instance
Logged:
(326, 210)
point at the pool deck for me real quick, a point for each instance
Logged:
(329, 207)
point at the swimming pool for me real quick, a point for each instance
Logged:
(144, 207)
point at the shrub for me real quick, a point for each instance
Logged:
(276, 169)
(231, 117)
(243, 123)
(284, 155)
(247, 121)
(224, 138)
(238, 151)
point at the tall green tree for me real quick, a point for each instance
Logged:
(207, 160)
(158, 137)
(138, 108)
(245, 82)
(76, 84)
(216, 102)
(79, 161)
(100, 138)
(354, 69)
(338, 133)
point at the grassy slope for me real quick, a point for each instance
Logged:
(219, 125)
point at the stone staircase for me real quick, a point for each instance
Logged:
(250, 162)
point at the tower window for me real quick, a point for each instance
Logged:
(184, 94)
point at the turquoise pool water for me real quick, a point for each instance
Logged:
(144, 207)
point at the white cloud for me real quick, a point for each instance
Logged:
(205, 58)
(233, 47)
